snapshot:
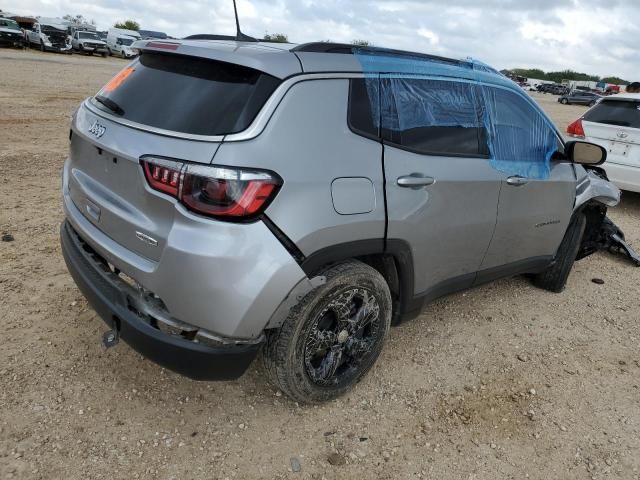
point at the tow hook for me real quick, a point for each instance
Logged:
(110, 338)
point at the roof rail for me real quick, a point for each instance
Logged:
(212, 36)
(348, 49)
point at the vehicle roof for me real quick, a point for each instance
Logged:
(624, 96)
(283, 60)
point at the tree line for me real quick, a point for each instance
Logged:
(558, 77)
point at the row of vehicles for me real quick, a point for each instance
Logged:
(56, 35)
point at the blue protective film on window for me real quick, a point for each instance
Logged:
(405, 93)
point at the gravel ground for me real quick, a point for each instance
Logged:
(504, 381)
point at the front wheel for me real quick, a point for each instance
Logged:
(564, 101)
(555, 277)
(332, 338)
(42, 49)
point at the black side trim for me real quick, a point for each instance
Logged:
(471, 280)
(528, 265)
(286, 242)
(339, 252)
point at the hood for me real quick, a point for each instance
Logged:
(11, 30)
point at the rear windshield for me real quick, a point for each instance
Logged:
(187, 94)
(615, 112)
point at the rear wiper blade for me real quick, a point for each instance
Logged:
(110, 104)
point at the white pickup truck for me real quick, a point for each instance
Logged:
(49, 37)
(89, 43)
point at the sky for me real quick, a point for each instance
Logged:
(599, 37)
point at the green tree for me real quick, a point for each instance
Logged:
(614, 80)
(529, 73)
(128, 25)
(276, 37)
(360, 43)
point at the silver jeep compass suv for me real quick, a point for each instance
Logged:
(225, 199)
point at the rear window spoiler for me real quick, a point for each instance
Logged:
(273, 61)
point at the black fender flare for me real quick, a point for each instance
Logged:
(398, 249)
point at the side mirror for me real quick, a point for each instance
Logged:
(585, 153)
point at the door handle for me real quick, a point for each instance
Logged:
(415, 180)
(517, 181)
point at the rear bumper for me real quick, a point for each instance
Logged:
(625, 177)
(194, 360)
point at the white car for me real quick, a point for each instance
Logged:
(119, 42)
(614, 123)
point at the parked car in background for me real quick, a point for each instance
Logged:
(88, 43)
(10, 33)
(119, 42)
(49, 37)
(579, 97)
(210, 213)
(614, 123)
(553, 88)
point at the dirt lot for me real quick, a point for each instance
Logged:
(505, 381)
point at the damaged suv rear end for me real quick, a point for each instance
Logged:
(224, 198)
(163, 243)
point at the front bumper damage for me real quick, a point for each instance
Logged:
(607, 237)
(594, 194)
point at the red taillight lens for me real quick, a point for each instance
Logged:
(226, 192)
(163, 175)
(575, 129)
(220, 192)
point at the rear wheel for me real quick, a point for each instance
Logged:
(333, 337)
(555, 277)
(42, 49)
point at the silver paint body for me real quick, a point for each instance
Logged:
(231, 278)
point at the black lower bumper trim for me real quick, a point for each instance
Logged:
(194, 360)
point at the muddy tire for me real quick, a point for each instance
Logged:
(332, 338)
(554, 279)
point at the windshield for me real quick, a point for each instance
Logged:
(88, 35)
(125, 41)
(9, 24)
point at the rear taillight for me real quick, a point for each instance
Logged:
(220, 192)
(575, 129)
(163, 175)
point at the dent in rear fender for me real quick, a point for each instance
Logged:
(592, 187)
(228, 278)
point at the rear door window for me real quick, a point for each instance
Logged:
(432, 117)
(621, 113)
(187, 94)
